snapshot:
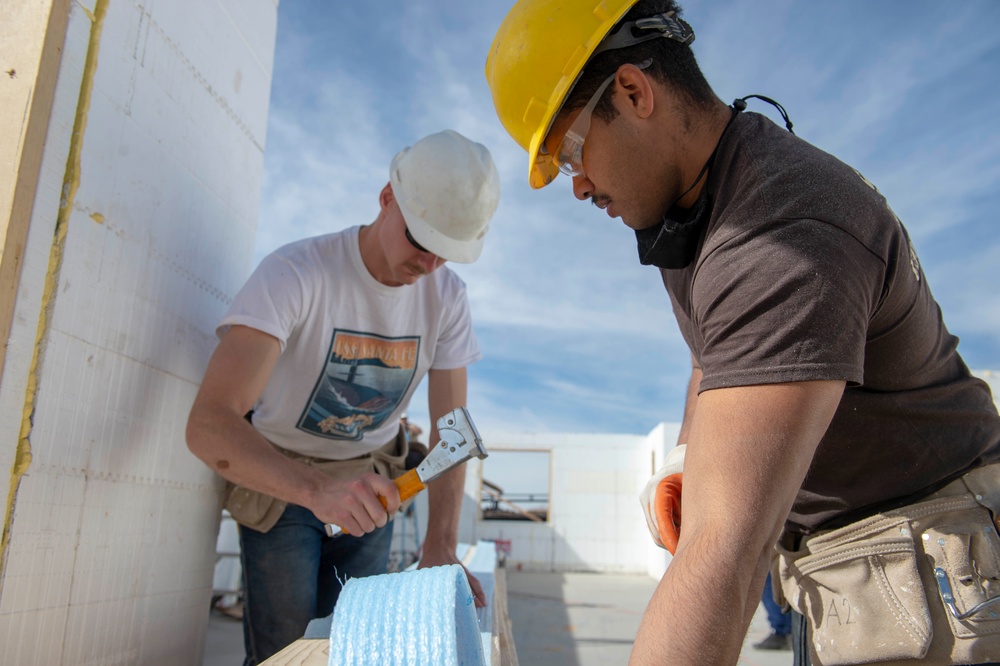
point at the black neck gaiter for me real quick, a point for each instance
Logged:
(674, 241)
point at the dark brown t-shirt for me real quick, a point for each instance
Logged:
(805, 273)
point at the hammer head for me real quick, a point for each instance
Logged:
(460, 441)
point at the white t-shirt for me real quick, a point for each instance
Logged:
(353, 350)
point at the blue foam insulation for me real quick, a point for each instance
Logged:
(420, 617)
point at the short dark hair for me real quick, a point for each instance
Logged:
(672, 64)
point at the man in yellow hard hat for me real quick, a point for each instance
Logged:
(828, 409)
(325, 344)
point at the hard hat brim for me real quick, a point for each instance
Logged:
(542, 169)
(449, 249)
(513, 62)
(451, 193)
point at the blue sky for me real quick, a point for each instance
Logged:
(577, 336)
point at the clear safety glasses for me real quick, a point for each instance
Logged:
(569, 154)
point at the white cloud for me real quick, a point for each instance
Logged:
(325, 162)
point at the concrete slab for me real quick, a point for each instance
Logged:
(578, 619)
(223, 641)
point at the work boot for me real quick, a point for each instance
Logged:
(775, 642)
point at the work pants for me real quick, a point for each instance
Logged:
(294, 573)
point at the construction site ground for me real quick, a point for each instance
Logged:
(572, 619)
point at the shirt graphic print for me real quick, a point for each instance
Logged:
(363, 381)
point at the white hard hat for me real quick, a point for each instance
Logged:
(447, 188)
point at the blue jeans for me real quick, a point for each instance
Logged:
(294, 573)
(781, 622)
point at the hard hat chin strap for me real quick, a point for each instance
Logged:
(666, 26)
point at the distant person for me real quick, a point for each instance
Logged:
(779, 619)
(828, 407)
(417, 449)
(326, 343)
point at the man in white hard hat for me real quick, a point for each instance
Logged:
(325, 345)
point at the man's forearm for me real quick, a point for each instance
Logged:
(444, 499)
(238, 453)
(219, 435)
(698, 613)
(749, 450)
(241, 455)
(446, 390)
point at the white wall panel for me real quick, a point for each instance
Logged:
(595, 522)
(21, 341)
(113, 532)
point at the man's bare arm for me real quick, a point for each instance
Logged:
(446, 390)
(750, 450)
(219, 435)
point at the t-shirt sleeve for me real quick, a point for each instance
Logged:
(457, 346)
(789, 303)
(271, 301)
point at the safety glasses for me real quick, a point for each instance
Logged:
(413, 241)
(569, 155)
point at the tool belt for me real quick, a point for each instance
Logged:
(921, 582)
(260, 512)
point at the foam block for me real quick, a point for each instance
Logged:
(413, 618)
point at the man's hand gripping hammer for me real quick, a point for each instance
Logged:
(460, 441)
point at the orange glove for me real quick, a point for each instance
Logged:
(661, 501)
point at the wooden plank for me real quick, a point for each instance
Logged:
(303, 652)
(504, 652)
(33, 33)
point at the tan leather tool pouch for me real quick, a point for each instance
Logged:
(252, 509)
(870, 590)
(260, 512)
(860, 592)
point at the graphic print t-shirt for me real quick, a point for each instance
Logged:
(352, 349)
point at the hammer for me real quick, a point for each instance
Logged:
(460, 441)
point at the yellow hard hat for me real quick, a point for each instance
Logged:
(536, 57)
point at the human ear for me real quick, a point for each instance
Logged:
(386, 196)
(637, 89)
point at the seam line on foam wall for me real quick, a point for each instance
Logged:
(71, 182)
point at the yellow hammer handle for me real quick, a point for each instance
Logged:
(408, 484)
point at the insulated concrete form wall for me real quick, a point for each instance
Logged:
(595, 522)
(141, 230)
